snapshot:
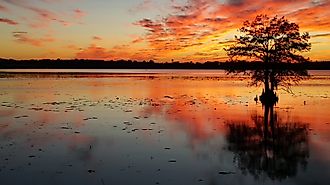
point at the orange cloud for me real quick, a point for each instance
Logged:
(72, 46)
(117, 52)
(23, 37)
(193, 30)
(197, 29)
(94, 52)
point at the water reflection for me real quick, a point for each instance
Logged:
(269, 146)
(159, 130)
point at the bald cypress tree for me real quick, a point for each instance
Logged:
(274, 42)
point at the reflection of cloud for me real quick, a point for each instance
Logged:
(82, 146)
(46, 129)
(198, 119)
(200, 122)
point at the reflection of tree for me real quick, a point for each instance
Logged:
(269, 147)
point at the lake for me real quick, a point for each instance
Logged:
(159, 127)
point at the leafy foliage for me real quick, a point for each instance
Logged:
(273, 41)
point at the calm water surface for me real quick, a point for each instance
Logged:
(160, 127)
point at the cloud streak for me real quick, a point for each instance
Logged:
(45, 16)
(8, 21)
(118, 52)
(79, 14)
(145, 5)
(3, 8)
(320, 35)
(25, 38)
(94, 52)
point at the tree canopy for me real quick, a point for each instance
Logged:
(272, 41)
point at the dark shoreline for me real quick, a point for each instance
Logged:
(129, 64)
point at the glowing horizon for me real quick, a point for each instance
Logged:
(183, 30)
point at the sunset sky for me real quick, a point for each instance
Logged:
(162, 30)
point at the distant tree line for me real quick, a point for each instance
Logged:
(130, 64)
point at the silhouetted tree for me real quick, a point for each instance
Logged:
(275, 42)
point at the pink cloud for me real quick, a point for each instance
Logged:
(44, 17)
(78, 14)
(145, 5)
(51, 1)
(8, 21)
(3, 8)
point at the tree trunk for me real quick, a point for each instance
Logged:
(267, 81)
